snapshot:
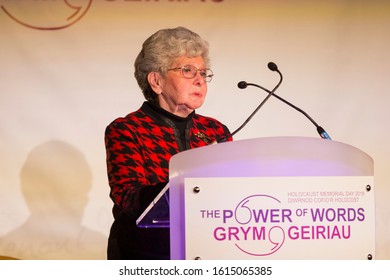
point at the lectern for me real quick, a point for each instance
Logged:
(270, 198)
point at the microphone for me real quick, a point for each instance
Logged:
(244, 84)
(273, 67)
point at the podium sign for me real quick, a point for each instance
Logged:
(278, 166)
(330, 217)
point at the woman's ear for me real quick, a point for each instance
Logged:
(155, 82)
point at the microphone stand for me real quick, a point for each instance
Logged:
(243, 85)
(273, 67)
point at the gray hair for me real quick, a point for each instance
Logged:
(161, 49)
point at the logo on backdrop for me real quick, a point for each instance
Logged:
(259, 225)
(58, 14)
(46, 15)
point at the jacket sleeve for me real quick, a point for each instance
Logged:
(130, 189)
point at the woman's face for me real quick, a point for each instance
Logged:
(180, 95)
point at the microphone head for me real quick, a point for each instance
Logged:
(242, 84)
(272, 66)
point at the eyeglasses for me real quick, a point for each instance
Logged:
(190, 71)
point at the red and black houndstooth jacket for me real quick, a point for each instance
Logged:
(139, 147)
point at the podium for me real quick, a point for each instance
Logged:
(271, 198)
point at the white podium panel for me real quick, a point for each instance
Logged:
(280, 218)
(310, 160)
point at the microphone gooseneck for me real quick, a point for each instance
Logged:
(244, 84)
(273, 67)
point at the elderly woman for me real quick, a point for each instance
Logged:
(172, 71)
